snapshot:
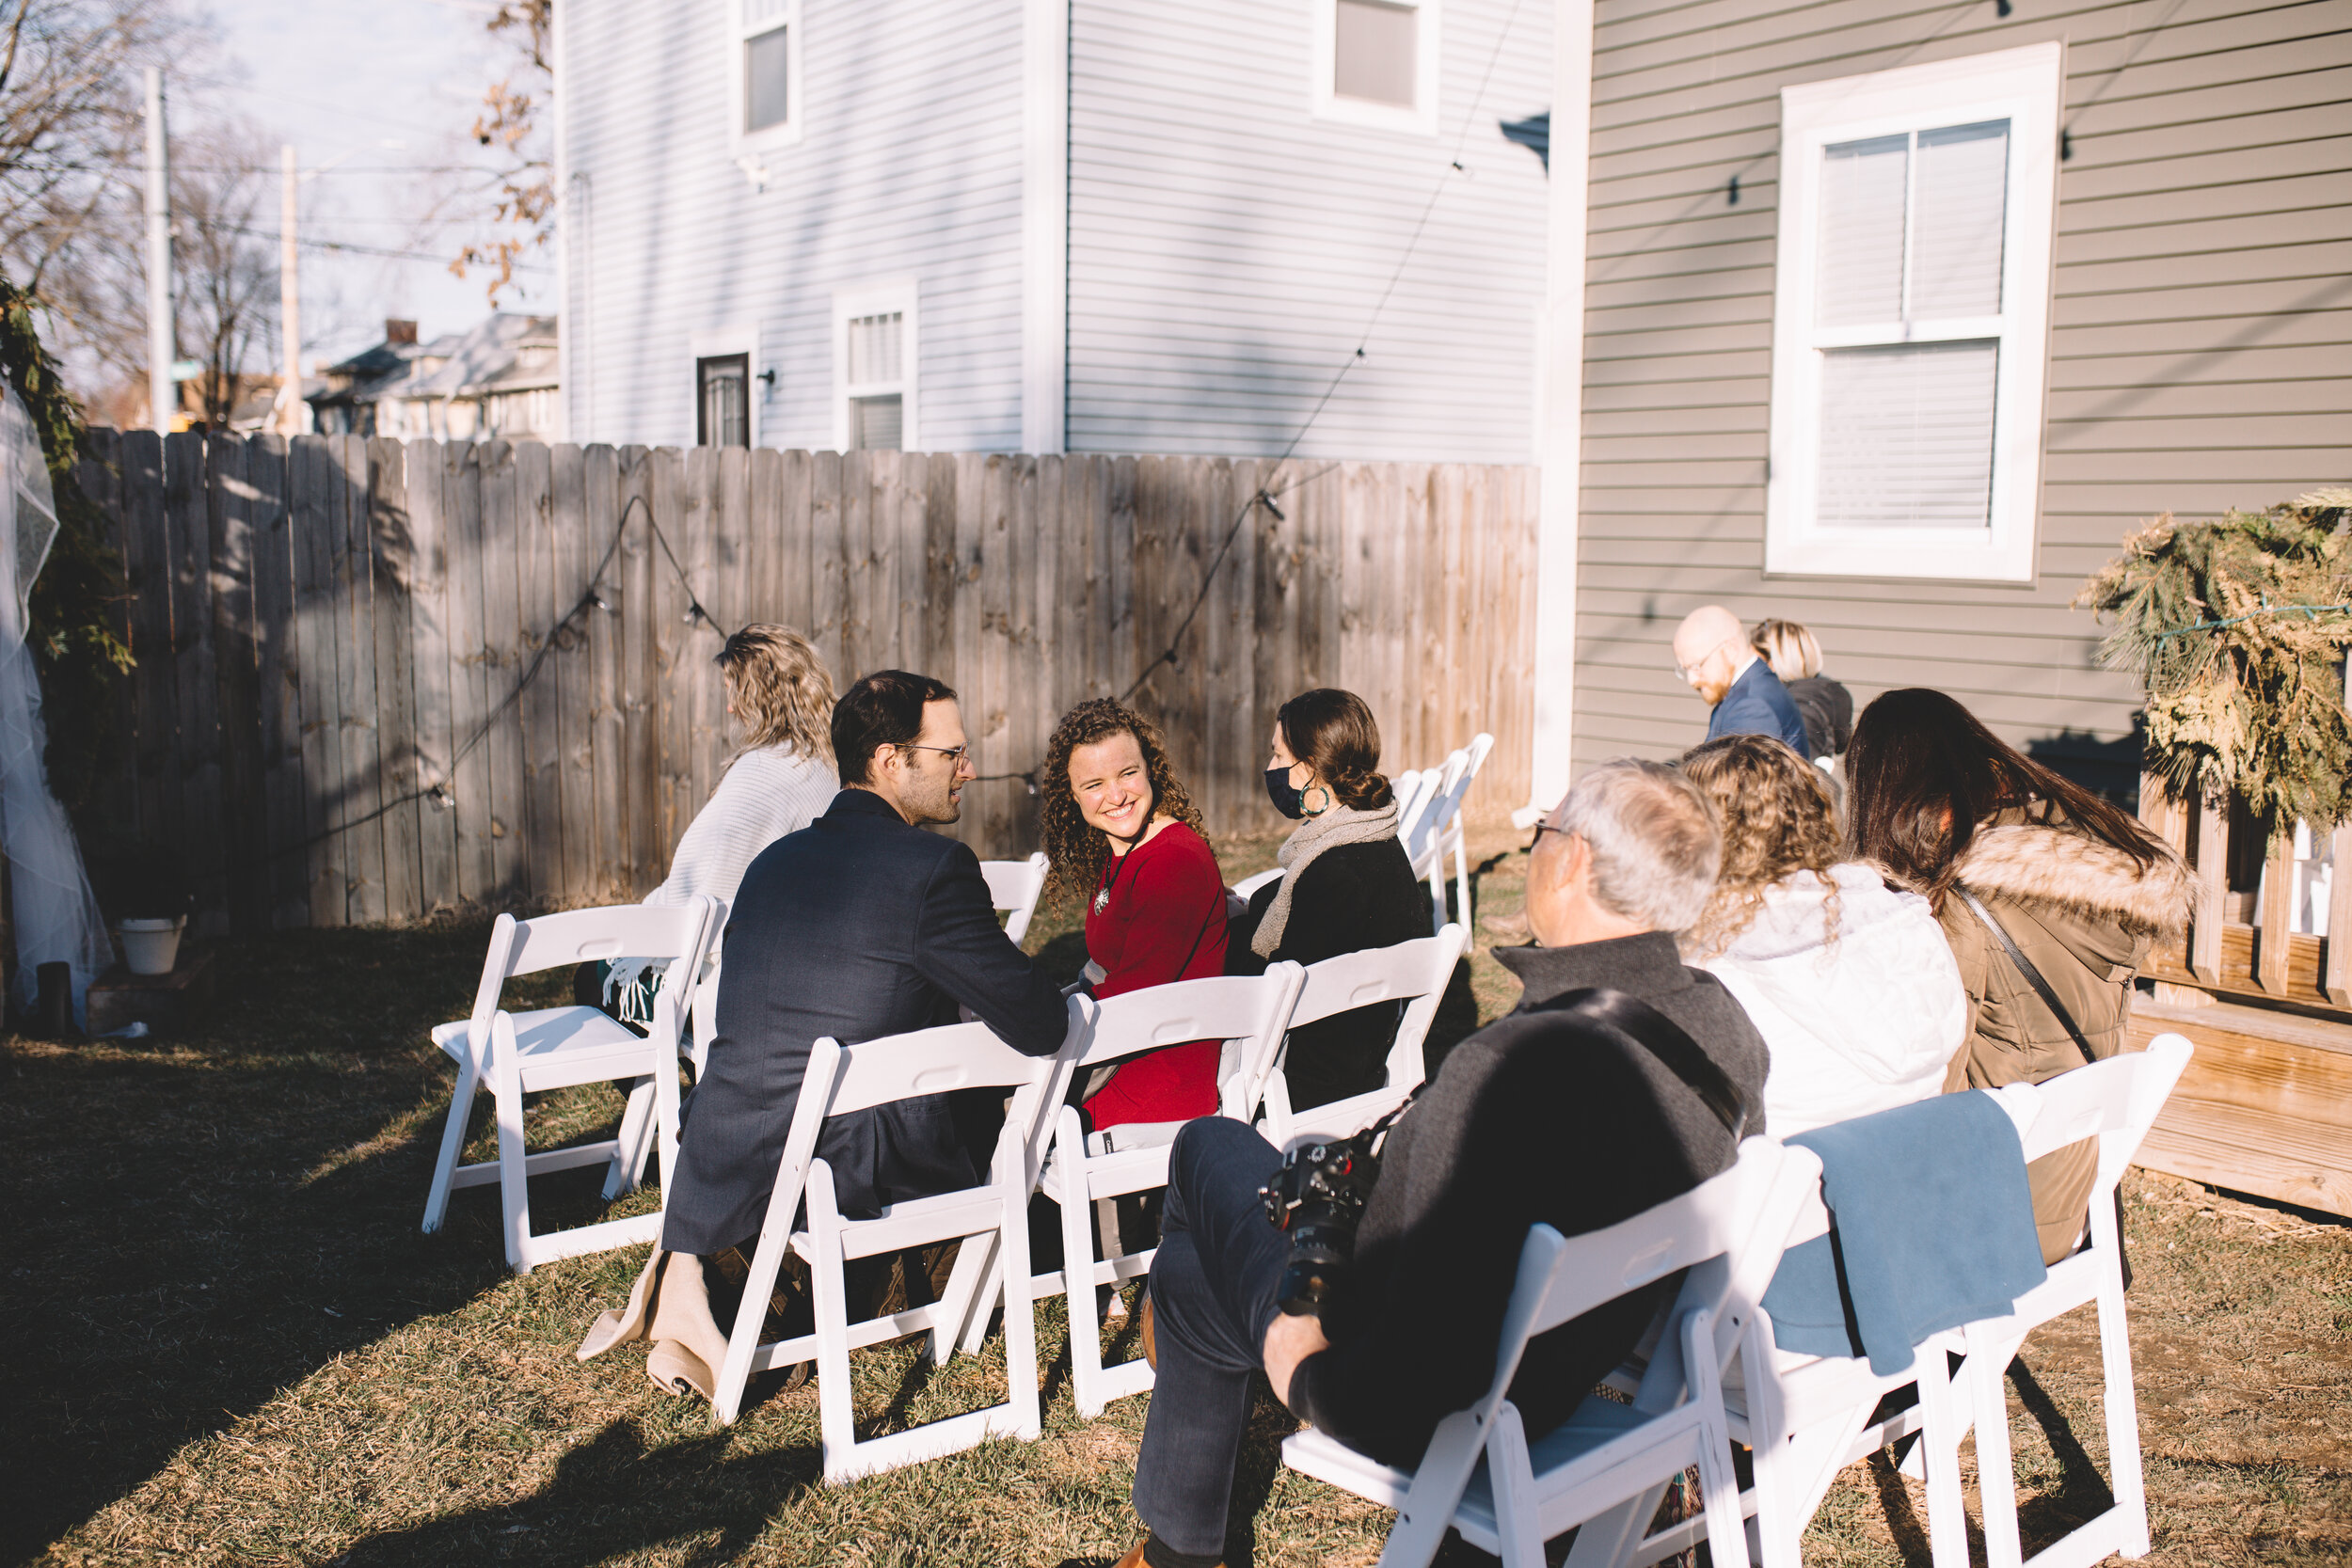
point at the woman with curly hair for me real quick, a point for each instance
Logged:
(1122, 835)
(1347, 885)
(1848, 981)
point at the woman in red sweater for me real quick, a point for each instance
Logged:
(1122, 835)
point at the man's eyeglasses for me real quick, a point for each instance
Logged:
(955, 755)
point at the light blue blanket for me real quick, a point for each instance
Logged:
(1931, 1226)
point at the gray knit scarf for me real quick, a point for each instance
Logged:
(1327, 831)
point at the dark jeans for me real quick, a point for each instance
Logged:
(1213, 1286)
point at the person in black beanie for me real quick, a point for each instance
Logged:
(1541, 1116)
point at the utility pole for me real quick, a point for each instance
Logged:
(290, 406)
(162, 349)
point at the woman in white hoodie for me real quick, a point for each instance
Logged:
(1850, 983)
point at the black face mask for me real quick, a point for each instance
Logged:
(1287, 797)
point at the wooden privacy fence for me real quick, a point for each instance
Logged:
(324, 725)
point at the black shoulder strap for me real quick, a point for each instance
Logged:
(1663, 1039)
(2033, 976)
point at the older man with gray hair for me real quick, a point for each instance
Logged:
(1623, 1078)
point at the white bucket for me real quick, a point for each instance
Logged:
(149, 946)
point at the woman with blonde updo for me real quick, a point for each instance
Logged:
(1849, 982)
(780, 695)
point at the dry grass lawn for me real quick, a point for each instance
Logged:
(229, 1344)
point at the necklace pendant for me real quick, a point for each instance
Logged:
(1101, 900)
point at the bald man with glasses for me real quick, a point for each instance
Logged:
(1714, 659)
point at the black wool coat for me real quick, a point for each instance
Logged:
(1538, 1117)
(1350, 898)
(857, 926)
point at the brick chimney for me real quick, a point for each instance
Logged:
(399, 331)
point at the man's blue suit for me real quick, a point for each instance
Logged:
(1758, 703)
(858, 926)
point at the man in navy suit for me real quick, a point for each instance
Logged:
(1713, 657)
(858, 926)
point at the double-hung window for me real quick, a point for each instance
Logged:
(1910, 320)
(1377, 63)
(763, 73)
(874, 356)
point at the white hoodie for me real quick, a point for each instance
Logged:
(1863, 1024)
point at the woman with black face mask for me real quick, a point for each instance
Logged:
(1345, 885)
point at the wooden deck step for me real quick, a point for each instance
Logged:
(2266, 1106)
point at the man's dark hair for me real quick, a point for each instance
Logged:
(884, 708)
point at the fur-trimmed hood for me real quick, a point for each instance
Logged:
(2065, 869)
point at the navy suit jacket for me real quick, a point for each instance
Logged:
(1758, 703)
(857, 926)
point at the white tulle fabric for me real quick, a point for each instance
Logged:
(55, 913)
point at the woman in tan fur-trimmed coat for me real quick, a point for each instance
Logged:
(1948, 810)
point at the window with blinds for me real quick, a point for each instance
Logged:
(1911, 319)
(1377, 63)
(874, 350)
(764, 46)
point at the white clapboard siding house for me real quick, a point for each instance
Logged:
(1109, 226)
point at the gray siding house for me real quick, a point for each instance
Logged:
(1897, 317)
(1054, 225)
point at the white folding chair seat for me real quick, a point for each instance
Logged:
(553, 1048)
(2115, 1100)
(1726, 1232)
(841, 1079)
(1414, 973)
(1248, 1014)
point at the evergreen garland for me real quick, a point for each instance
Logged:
(71, 626)
(2239, 628)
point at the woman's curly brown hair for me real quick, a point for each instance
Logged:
(1076, 849)
(1777, 820)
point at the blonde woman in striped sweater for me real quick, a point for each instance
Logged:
(781, 693)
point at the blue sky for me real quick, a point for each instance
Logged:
(383, 91)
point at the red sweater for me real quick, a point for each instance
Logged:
(1166, 921)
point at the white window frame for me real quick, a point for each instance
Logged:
(1428, 53)
(2022, 87)
(716, 343)
(878, 299)
(747, 146)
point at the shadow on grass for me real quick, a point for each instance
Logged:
(610, 1497)
(197, 1225)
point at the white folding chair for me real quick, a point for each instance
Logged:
(1807, 1418)
(1013, 887)
(841, 1079)
(1441, 829)
(1605, 1453)
(553, 1048)
(1414, 973)
(2116, 1101)
(1248, 1014)
(1250, 885)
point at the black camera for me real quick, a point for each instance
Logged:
(1318, 1196)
